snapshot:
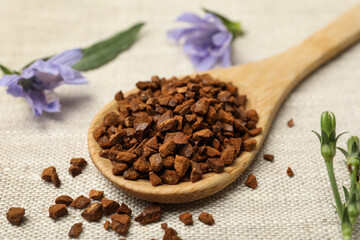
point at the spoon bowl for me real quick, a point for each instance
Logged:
(266, 84)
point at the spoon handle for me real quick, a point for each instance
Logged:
(301, 60)
(278, 75)
(322, 46)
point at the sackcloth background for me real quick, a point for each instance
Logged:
(280, 207)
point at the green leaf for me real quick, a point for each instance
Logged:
(6, 70)
(234, 27)
(106, 50)
(346, 193)
(317, 134)
(343, 151)
(338, 136)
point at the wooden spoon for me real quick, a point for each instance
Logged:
(266, 83)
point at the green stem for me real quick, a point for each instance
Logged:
(330, 170)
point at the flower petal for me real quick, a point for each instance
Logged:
(35, 100)
(226, 58)
(219, 51)
(54, 106)
(12, 81)
(69, 57)
(71, 76)
(219, 38)
(194, 19)
(177, 34)
(217, 22)
(8, 79)
(204, 63)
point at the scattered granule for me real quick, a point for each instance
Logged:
(15, 215)
(57, 210)
(107, 225)
(79, 162)
(64, 199)
(75, 230)
(290, 123)
(80, 202)
(121, 218)
(109, 206)
(186, 218)
(170, 234)
(96, 195)
(75, 171)
(124, 209)
(269, 157)
(120, 223)
(251, 181)
(93, 213)
(55, 180)
(47, 173)
(149, 215)
(164, 226)
(289, 172)
(206, 218)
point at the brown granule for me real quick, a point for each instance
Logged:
(80, 202)
(124, 209)
(196, 172)
(186, 218)
(15, 215)
(64, 199)
(107, 225)
(170, 234)
(164, 226)
(289, 172)
(156, 132)
(290, 123)
(206, 218)
(75, 230)
(80, 162)
(251, 181)
(57, 210)
(269, 157)
(249, 144)
(181, 165)
(109, 206)
(170, 177)
(74, 170)
(49, 174)
(149, 215)
(120, 223)
(95, 194)
(119, 168)
(55, 180)
(93, 213)
(154, 179)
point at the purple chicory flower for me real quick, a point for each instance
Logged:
(207, 41)
(37, 82)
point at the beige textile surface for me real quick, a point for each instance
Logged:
(280, 207)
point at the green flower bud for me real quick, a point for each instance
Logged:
(352, 211)
(328, 124)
